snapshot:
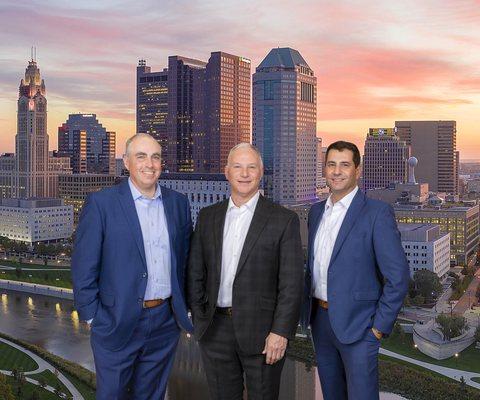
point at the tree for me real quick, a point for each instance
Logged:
(18, 272)
(451, 326)
(463, 385)
(427, 284)
(418, 300)
(6, 392)
(477, 334)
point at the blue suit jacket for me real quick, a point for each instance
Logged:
(109, 270)
(368, 274)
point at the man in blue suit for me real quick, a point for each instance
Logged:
(356, 280)
(128, 264)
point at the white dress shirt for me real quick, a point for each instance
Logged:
(237, 223)
(325, 238)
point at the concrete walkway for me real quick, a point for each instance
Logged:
(7, 268)
(445, 371)
(42, 366)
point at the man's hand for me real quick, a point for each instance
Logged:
(377, 333)
(275, 346)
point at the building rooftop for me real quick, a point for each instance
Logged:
(192, 176)
(283, 57)
(32, 202)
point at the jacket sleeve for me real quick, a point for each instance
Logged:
(86, 259)
(393, 265)
(196, 274)
(290, 281)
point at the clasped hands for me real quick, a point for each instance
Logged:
(275, 346)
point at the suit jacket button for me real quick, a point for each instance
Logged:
(144, 275)
(139, 300)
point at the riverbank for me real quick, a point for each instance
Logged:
(34, 288)
(78, 380)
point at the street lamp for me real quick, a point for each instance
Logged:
(456, 360)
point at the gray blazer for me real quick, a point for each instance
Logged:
(268, 285)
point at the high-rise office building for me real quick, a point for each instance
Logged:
(31, 140)
(226, 110)
(184, 74)
(85, 140)
(434, 144)
(152, 103)
(284, 125)
(385, 159)
(208, 109)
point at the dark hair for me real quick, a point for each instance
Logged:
(341, 145)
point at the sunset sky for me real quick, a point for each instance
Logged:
(375, 62)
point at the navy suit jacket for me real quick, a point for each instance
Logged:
(109, 269)
(368, 274)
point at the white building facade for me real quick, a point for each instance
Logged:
(202, 190)
(35, 220)
(426, 248)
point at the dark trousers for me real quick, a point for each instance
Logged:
(226, 365)
(346, 371)
(140, 369)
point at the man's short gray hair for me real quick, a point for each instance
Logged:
(245, 145)
(136, 136)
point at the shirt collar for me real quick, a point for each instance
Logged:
(136, 194)
(344, 202)
(249, 205)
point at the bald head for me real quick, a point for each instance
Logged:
(145, 137)
(242, 147)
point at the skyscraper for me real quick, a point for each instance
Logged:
(434, 144)
(208, 109)
(31, 140)
(152, 103)
(183, 75)
(284, 125)
(83, 137)
(226, 109)
(385, 159)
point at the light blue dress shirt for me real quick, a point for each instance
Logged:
(153, 223)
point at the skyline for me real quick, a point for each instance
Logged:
(373, 66)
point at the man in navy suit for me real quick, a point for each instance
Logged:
(128, 265)
(356, 280)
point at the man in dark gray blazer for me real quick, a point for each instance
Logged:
(245, 284)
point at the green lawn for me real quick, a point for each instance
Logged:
(50, 379)
(11, 358)
(28, 388)
(40, 277)
(468, 359)
(476, 380)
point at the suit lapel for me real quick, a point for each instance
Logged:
(218, 225)
(259, 220)
(350, 218)
(128, 206)
(312, 232)
(168, 206)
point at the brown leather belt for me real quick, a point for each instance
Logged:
(322, 303)
(153, 303)
(224, 310)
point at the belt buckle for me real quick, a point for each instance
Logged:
(229, 311)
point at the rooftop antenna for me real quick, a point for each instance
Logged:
(31, 53)
(35, 53)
